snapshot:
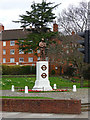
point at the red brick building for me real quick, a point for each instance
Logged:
(10, 54)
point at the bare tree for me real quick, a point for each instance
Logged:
(66, 53)
(73, 19)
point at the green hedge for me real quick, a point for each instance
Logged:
(86, 73)
(69, 71)
(18, 70)
(53, 72)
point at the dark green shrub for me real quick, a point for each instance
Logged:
(86, 73)
(53, 72)
(18, 70)
(69, 71)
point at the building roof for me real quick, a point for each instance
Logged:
(14, 34)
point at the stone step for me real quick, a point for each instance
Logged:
(85, 107)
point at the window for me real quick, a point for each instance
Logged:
(38, 51)
(38, 58)
(31, 51)
(4, 60)
(67, 46)
(72, 45)
(75, 45)
(30, 41)
(12, 60)
(21, 42)
(33, 64)
(12, 43)
(56, 68)
(21, 59)
(72, 51)
(4, 52)
(30, 59)
(53, 59)
(46, 58)
(4, 43)
(81, 46)
(67, 51)
(12, 51)
(21, 52)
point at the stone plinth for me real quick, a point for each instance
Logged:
(42, 83)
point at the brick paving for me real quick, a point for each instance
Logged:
(81, 94)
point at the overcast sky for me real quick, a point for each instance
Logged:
(11, 9)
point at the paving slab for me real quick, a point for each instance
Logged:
(43, 115)
(81, 94)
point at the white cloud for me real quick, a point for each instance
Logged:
(8, 17)
(13, 4)
(11, 9)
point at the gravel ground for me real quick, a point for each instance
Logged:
(81, 94)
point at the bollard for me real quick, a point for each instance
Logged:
(26, 89)
(12, 89)
(74, 88)
(54, 87)
(43, 89)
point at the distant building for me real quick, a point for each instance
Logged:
(11, 55)
(9, 50)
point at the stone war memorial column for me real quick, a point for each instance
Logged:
(42, 82)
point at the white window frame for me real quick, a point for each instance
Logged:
(21, 42)
(12, 52)
(4, 43)
(75, 45)
(12, 43)
(12, 60)
(4, 60)
(38, 58)
(46, 58)
(33, 64)
(30, 59)
(4, 52)
(30, 41)
(30, 52)
(21, 52)
(67, 51)
(38, 51)
(21, 59)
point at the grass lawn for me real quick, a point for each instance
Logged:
(16, 97)
(26, 81)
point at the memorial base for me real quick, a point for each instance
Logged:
(42, 83)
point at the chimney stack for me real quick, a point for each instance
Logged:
(55, 27)
(1, 27)
(73, 33)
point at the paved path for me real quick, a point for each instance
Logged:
(81, 94)
(34, 115)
